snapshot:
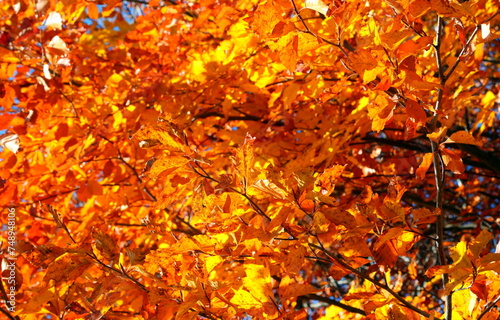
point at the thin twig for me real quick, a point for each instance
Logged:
(488, 308)
(243, 194)
(300, 17)
(464, 49)
(8, 315)
(340, 261)
(334, 303)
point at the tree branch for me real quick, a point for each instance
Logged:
(361, 275)
(439, 169)
(334, 303)
(488, 308)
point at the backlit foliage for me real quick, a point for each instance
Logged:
(241, 159)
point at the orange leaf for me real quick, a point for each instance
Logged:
(452, 161)
(266, 17)
(460, 30)
(424, 166)
(444, 8)
(165, 165)
(418, 8)
(480, 243)
(289, 288)
(410, 129)
(163, 135)
(436, 136)
(94, 187)
(415, 111)
(326, 181)
(93, 11)
(365, 65)
(386, 255)
(412, 47)
(423, 216)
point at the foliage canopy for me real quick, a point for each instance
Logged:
(279, 159)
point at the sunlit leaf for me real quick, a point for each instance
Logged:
(463, 137)
(11, 142)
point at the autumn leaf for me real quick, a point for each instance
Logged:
(266, 17)
(365, 65)
(166, 165)
(317, 5)
(53, 21)
(243, 161)
(270, 188)
(463, 137)
(424, 166)
(452, 161)
(436, 136)
(152, 135)
(10, 142)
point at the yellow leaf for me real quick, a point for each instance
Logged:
(258, 280)
(266, 17)
(245, 300)
(161, 134)
(463, 137)
(436, 136)
(212, 262)
(424, 166)
(392, 233)
(480, 243)
(369, 34)
(166, 165)
(380, 111)
(287, 47)
(317, 5)
(270, 188)
(243, 161)
(463, 304)
(365, 65)
(114, 80)
(306, 43)
(394, 38)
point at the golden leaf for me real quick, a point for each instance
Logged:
(463, 137)
(270, 188)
